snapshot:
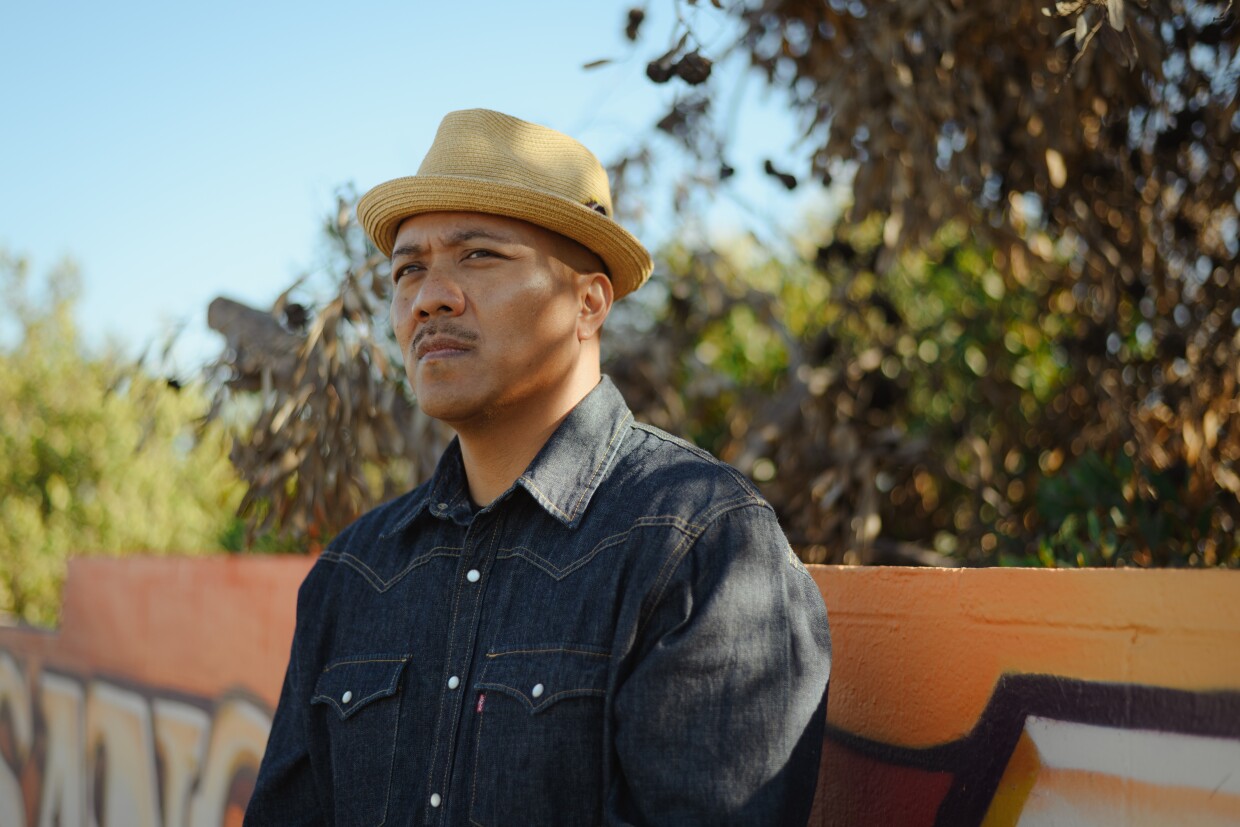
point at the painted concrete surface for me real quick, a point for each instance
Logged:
(150, 707)
(958, 697)
(1032, 697)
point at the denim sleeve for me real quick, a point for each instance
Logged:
(285, 792)
(720, 721)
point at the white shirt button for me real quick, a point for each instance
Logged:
(442, 506)
(435, 799)
(537, 690)
(454, 682)
(473, 575)
(346, 697)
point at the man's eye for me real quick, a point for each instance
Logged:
(405, 270)
(479, 254)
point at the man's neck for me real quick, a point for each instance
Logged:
(497, 452)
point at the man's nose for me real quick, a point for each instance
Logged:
(438, 295)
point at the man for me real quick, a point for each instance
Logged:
(578, 619)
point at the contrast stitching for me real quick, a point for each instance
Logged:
(548, 650)
(385, 691)
(546, 501)
(660, 582)
(456, 708)
(430, 771)
(378, 583)
(392, 761)
(473, 788)
(655, 596)
(605, 461)
(616, 539)
(365, 659)
(576, 692)
(737, 476)
(602, 463)
(414, 510)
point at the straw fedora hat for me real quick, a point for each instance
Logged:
(483, 161)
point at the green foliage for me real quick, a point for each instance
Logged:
(932, 407)
(1101, 513)
(96, 455)
(1029, 351)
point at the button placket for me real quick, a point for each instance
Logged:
(480, 541)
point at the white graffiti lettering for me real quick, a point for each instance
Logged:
(117, 755)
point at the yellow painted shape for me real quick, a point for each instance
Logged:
(1018, 779)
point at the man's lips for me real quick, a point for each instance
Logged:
(439, 346)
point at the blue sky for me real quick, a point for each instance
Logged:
(177, 152)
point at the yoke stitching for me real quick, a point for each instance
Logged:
(378, 583)
(678, 553)
(558, 573)
(736, 475)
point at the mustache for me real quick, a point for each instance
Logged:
(449, 329)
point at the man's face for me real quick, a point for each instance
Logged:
(486, 313)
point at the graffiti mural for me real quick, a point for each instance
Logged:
(959, 698)
(1110, 698)
(151, 706)
(77, 748)
(1050, 750)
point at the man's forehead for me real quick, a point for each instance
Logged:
(457, 227)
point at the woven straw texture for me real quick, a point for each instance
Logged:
(483, 161)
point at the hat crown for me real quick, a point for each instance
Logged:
(488, 162)
(483, 145)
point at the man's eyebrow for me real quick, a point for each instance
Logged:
(408, 250)
(456, 239)
(472, 233)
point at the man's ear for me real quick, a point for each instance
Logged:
(596, 298)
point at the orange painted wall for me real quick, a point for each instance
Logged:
(1018, 683)
(951, 633)
(202, 626)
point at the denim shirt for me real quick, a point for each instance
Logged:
(623, 637)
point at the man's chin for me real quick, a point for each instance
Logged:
(448, 408)
(437, 408)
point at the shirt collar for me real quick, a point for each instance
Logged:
(574, 462)
(562, 478)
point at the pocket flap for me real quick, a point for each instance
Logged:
(539, 676)
(348, 684)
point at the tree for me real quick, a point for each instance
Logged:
(1087, 151)
(1020, 345)
(96, 455)
(335, 431)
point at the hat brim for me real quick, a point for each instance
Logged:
(382, 209)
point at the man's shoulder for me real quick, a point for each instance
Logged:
(384, 519)
(360, 545)
(670, 471)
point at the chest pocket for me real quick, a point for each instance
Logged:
(360, 700)
(538, 756)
